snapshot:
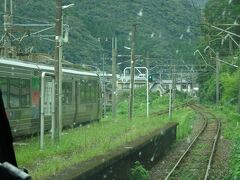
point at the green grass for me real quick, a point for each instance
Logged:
(86, 142)
(185, 118)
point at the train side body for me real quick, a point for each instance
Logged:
(21, 86)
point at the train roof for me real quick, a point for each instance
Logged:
(43, 67)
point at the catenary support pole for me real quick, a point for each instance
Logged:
(174, 88)
(58, 71)
(131, 97)
(7, 24)
(170, 103)
(238, 106)
(114, 77)
(53, 109)
(217, 77)
(104, 86)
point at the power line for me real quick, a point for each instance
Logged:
(31, 19)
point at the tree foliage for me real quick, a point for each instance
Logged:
(224, 15)
(166, 29)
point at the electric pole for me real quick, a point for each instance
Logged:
(217, 77)
(160, 76)
(170, 102)
(230, 46)
(104, 86)
(181, 81)
(174, 82)
(8, 20)
(131, 97)
(147, 60)
(238, 106)
(58, 72)
(114, 76)
(170, 95)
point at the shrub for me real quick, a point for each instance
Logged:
(138, 172)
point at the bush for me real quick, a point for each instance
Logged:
(138, 172)
(235, 170)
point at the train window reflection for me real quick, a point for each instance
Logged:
(67, 93)
(83, 91)
(14, 93)
(25, 92)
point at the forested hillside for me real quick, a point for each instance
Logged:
(221, 33)
(225, 40)
(166, 29)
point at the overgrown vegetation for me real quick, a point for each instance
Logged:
(185, 119)
(225, 15)
(218, 13)
(231, 131)
(86, 142)
(138, 172)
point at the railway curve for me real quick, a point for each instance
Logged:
(193, 159)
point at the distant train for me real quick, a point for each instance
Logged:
(21, 82)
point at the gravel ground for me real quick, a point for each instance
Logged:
(220, 166)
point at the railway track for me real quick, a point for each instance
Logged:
(195, 162)
(166, 111)
(191, 158)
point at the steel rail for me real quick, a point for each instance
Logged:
(216, 137)
(213, 150)
(189, 147)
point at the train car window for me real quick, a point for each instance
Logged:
(90, 95)
(82, 91)
(14, 98)
(94, 91)
(86, 89)
(25, 92)
(184, 86)
(67, 93)
(98, 90)
(3, 87)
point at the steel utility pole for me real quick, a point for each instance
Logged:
(114, 78)
(104, 86)
(181, 80)
(132, 72)
(147, 60)
(8, 20)
(217, 77)
(170, 103)
(238, 106)
(174, 82)
(58, 71)
(170, 96)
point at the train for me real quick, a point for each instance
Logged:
(27, 92)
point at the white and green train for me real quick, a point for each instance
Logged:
(21, 83)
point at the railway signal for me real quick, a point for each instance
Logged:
(150, 78)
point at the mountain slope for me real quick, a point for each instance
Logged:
(166, 29)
